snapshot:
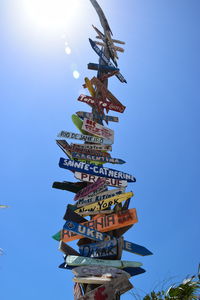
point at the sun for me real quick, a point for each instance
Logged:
(51, 14)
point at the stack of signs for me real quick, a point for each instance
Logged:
(99, 212)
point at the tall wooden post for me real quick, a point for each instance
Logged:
(100, 192)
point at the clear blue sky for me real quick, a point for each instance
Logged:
(158, 136)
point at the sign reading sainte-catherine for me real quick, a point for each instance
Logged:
(78, 166)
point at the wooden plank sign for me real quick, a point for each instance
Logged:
(97, 129)
(104, 204)
(105, 249)
(101, 223)
(109, 291)
(136, 249)
(81, 230)
(82, 137)
(91, 116)
(78, 166)
(92, 147)
(134, 271)
(92, 178)
(90, 189)
(94, 158)
(106, 60)
(106, 68)
(102, 196)
(86, 271)
(71, 215)
(72, 260)
(73, 187)
(78, 123)
(92, 280)
(90, 87)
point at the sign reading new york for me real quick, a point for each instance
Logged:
(78, 166)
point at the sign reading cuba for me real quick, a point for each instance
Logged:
(79, 166)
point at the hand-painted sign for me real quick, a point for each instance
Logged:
(101, 223)
(73, 260)
(92, 280)
(106, 68)
(106, 60)
(97, 129)
(103, 204)
(86, 138)
(105, 249)
(90, 87)
(78, 123)
(116, 48)
(134, 271)
(90, 189)
(94, 158)
(93, 178)
(101, 104)
(78, 166)
(86, 271)
(99, 197)
(68, 149)
(73, 187)
(83, 231)
(91, 116)
(92, 147)
(136, 249)
(110, 290)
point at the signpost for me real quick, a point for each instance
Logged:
(100, 274)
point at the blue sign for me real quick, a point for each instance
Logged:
(137, 249)
(79, 166)
(85, 231)
(101, 249)
(106, 60)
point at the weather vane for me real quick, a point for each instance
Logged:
(100, 215)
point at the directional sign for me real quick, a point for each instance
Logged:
(92, 280)
(90, 87)
(106, 60)
(69, 149)
(105, 195)
(104, 204)
(105, 68)
(98, 130)
(86, 138)
(82, 230)
(90, 189)
(73, 260)
(94, 158)
(93, 178)
(136, 249)
(86, 271)
(101, 223)
(91, 116)
(110, 290)
(73, 187)
(78, 166)
(92, 147)
(134, 271)
(105, 249)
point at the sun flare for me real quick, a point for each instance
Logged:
(52, 14)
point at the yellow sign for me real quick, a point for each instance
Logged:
(104, 204)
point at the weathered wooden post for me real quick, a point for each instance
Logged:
(98, 269)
